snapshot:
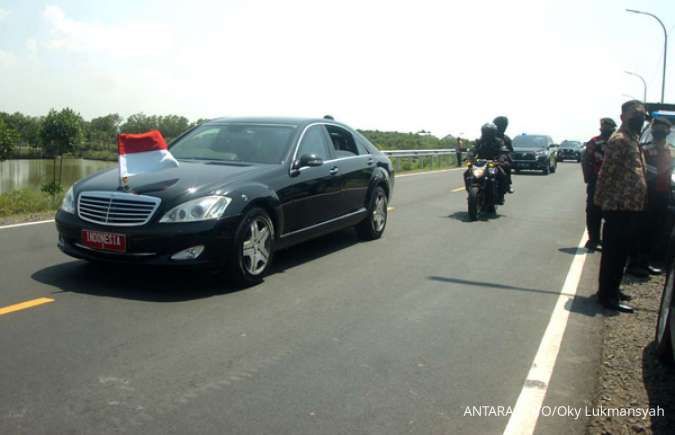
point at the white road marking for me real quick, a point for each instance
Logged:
(440, 171)
(526, 412)
(25, 224)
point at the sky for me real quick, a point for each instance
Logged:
(552, 66)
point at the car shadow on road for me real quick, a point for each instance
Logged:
(167, 284)
(491, 285)
(659, 380)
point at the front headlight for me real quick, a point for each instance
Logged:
(200, 209)
(540, 153)
(68, 203)
(478, 172)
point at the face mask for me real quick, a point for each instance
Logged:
(659, 134)
(635, 123)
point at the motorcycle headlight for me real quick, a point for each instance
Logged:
(478, 172)
(68, 203)
(200, 209)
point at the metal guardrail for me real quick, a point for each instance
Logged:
(433, 155)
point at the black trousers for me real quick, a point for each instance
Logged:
(618, 235)
(593, 215)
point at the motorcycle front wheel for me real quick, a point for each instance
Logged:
(472, 201)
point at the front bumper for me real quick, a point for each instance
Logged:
(153, 243)
(569, 155)
(530, 164)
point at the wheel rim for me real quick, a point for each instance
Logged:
(257, 246)
(664, 312)
(379, 218)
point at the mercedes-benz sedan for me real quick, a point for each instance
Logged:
(244, 189)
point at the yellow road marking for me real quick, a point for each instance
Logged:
(25, 305)
(391, 208)
(459, 189)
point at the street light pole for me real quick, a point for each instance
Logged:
(665, 48)
(644, 84)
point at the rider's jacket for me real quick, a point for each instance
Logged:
(490, 149)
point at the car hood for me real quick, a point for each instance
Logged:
(528, 150)
(187, 180)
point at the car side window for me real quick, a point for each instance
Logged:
(314, 142)
(343, 141)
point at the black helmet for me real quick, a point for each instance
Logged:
(501, 122)
(488, 130)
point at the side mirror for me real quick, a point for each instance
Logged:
(310, 160)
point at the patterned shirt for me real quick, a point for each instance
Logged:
(621, 184)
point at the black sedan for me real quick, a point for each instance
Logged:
(245, 188)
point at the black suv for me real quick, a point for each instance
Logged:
(534, 151)
(570, 150)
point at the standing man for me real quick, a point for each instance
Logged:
(590, 164)
(621, 193)
(502, 122)
(659, 168)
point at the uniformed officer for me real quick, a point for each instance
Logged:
(590, 164)
(658, 165)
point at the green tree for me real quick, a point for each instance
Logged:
(8, 140)
(61, 133)
(140, 123)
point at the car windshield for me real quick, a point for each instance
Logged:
(253, 143)
(530, 141)
(570, 144)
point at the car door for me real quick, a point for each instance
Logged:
(355, 166)
(312, 195)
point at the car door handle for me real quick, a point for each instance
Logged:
(371, 161)
(334, 170)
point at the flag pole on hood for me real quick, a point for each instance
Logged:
(142, 153)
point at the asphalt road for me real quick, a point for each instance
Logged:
(394, 336)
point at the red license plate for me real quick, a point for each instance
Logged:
(104, 241)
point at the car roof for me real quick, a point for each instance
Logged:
(298, 122)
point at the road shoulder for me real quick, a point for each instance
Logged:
(574, 380)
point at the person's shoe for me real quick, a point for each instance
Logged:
(590, 246)
(615, 305)
(624, 296)
(637, 271)
(653, 270)
(511, 190)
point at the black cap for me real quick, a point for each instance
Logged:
(608, 121)
(663, 121)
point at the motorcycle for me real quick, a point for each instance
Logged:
(480, 181)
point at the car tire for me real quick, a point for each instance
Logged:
(664, 343)
(372, 227)
(546, 170)
(252, 250)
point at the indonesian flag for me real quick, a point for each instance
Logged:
(144, 152)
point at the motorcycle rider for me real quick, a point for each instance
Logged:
(491, 147)
(502, 122)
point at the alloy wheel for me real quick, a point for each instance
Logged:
(256, 248)
(380, 212)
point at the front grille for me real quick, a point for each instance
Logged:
(523, 156)
(116, 208)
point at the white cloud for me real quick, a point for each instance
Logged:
(31, 45)
(130, 39)
(4, 13)
(7, 59)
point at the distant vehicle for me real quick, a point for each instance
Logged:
(534, 152)
(570, 150)
(245, 188)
